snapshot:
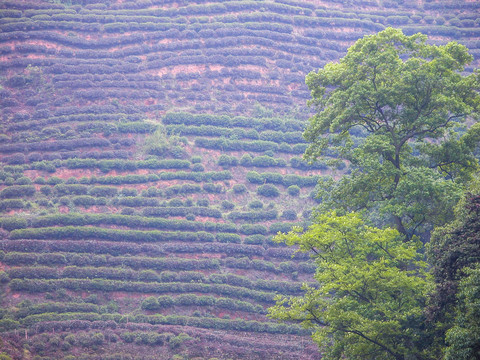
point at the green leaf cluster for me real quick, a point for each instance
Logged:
(411, 98)
(371, 290)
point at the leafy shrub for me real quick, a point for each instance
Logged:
(289, 215)
(196, 159)
(198, 168)
(227, 205)
(253, 216)
(40, 181)
(150, 303)
(127, 211)
(103, 191)
(256, 239)
(70, 189)
(182, 189)
(203, 202)
(268, 190)
(267, 161)
(255, 204)
(23, 181)
(239, 188)
(12, 223)
(8, 324)
(178, 340)
(15, 159)
(17, 191)
(152, 192)
(299, 163)
(165, 301)
(227, 161)
(54, 180)
(84, 201)
(246, 160)
(228, 238)
(13, 204)
(213, 188)
(293, 190)
(175, 202)
(135, 201)
(128, 192)
(282, 227)
(250, 229)
(4, 278)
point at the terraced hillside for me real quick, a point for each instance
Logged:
(149, 151)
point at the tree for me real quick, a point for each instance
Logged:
(454, 252)
(370, 293)
(463, 339)
(454, 248)
(410, 99)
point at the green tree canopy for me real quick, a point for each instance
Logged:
(463, 339)
(454, 248)
(410, 99)
(371, 291)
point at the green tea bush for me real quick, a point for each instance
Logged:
(12, 223)
(17, 191)
(13, 204)
(293, 190)
(203, 202)
(227, 205)
(256, 239)
(249, 229)
(289, 215)
(213, 188)
(196, 159)
(268, 190)
(228, 238)
(239, 188)
(198, 168)
(255, 204)
(84, 201)
(227, 161)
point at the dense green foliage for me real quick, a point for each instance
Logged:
(134, 138)
(370, 294)
(410, 98)
(463, 338)
(373, 285)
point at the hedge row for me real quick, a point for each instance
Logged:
(13, 204)
(43, 118)
(122, 165)
(38, 285)
(82, 233)
(51, 159)
(276, 124)
(55, 145)
(17, 191)
(253, 216)
(19, 231)
(286, 180)
(181, 211)
(135, 262)
(73, 252)
(208, 323)
(73, 219)
(109, 273)
(163, 176)
(162, 302)
(56, 307)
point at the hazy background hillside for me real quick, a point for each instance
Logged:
(149, 152)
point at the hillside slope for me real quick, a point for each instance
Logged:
(150, 150)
